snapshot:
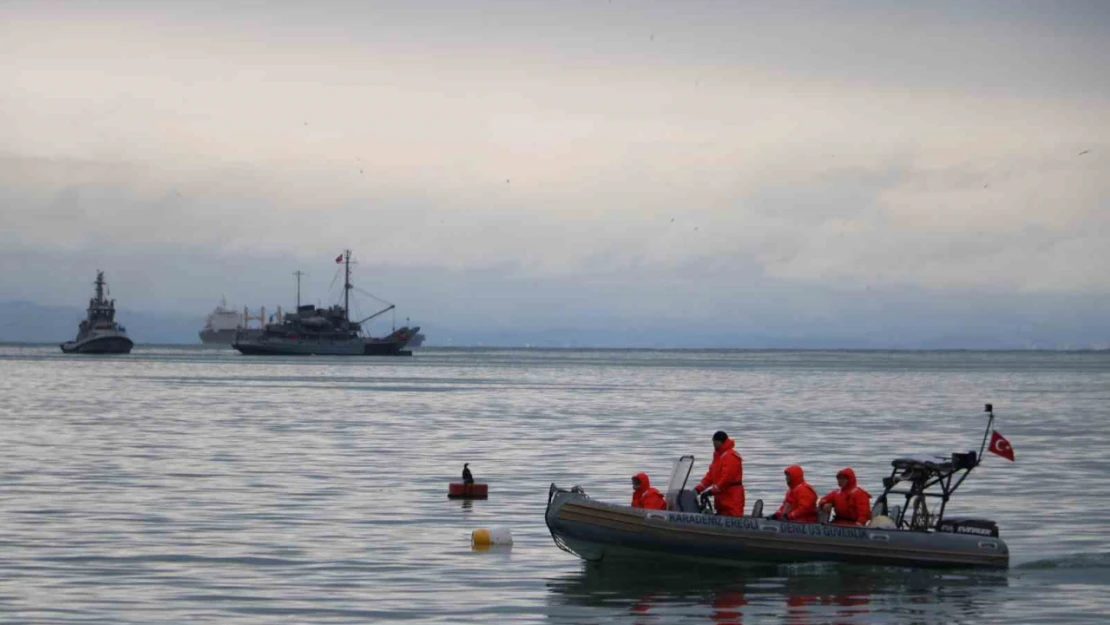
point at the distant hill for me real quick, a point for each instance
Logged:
(27, 322)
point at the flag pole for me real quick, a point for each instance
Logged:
(989, 409)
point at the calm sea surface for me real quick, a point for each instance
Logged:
(197, 485)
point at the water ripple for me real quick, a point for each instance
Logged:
(180, 485)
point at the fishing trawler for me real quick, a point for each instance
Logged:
(324, 331)
(220, 326)
(99, 333)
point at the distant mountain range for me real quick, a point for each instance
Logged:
(27, 322)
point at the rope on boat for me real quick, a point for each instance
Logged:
(561, 545)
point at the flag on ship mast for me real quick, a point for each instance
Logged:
(339, 259)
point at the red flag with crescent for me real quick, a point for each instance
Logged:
(339, 259)
(999, 445)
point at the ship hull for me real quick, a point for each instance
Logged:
(217, 337)
(385, 349)
(253, 346)
(263, 343)
(114, 344)
(291, 347)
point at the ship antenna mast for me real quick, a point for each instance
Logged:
(99, 286)
(298, 273)
(347, 287)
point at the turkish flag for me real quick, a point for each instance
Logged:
(999, 445)
(339, 259)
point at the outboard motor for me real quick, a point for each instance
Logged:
(965, 525)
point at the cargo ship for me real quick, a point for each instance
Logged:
(220, 326)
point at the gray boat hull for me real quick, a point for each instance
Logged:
(267, 346)
(598, 531)
(110, 344)
(257, 344)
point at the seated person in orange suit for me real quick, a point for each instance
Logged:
(851, 503)
(800, 504)
(644, 496)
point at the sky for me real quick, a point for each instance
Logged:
(710, 172)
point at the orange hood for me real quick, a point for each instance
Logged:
(645, 483)
(851, 475)
(726, 447)
(794, 475)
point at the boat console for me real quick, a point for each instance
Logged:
(680, 498)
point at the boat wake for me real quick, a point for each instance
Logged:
(1071, 561)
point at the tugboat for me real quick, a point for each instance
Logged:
(99, 333)
(324, 331)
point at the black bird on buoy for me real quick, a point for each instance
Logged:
(467, 477)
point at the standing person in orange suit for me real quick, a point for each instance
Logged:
(800, 504)
(851, 503)
(644, 496)
(725, 478)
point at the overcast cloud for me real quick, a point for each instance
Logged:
(802, 169)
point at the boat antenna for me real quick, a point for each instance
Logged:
(347, 286)
(298, 273)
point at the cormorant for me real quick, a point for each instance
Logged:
(467, 477)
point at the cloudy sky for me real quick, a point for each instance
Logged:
(879, 171)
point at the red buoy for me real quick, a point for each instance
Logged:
(459, 490)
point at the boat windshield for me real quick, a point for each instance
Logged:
(680, 473)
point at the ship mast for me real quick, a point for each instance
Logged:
(347, 286)
(298, 273)
(99, 287)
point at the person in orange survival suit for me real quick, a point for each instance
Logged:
(800, 504)
(851, 503)
(725, 478)
(644, 496)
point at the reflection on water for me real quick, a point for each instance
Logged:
(654, 593)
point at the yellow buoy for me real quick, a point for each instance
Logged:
(487, 537)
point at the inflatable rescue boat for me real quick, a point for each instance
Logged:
(913, 533)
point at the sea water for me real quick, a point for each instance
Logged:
(195, 484)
